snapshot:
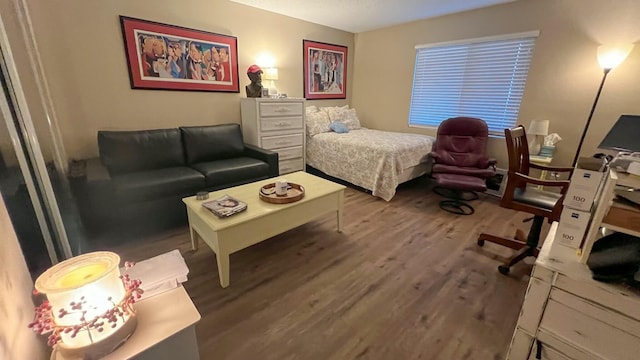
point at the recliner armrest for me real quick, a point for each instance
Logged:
(268, 156)
(485, 163)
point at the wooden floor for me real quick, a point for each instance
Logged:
(405, 280)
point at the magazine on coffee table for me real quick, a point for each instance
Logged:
(225, 206)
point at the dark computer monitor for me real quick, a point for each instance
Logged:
(624, 135)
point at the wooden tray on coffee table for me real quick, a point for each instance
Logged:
(294, 193)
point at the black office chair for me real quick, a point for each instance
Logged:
(517, 196)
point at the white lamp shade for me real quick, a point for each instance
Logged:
(610, 56)
(538, 127)
(271, 74)
(92, 279)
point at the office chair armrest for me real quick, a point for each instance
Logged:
(564, 184)
(551, 168)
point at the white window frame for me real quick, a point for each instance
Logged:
(508, 102)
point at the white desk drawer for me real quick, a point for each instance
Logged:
(289, 153)
(610, 295)
(555, 348)
(281, 123)
(598, 330)
(275, 142)
(280, 109)
(546, 353)
(288, 166)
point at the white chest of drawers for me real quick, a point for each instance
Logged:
(276, 125)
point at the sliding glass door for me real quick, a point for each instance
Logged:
(32, 171)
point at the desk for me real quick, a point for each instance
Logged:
(541, 160)
(568, 315)
(165, 330)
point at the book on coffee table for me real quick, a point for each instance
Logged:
(225, 206)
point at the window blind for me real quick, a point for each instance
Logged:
(483, 79)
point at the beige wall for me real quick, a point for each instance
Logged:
(563, 78)
(83, 53)
(16, 307)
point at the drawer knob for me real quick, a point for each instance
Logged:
(282, 142)
(281, 110)
(282, 123)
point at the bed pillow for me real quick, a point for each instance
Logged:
(330, 109)
(317, 122)
(339, 127)
(311, 109)
(347, 116)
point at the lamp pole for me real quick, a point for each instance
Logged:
(593, 108)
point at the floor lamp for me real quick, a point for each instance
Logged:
(608, 57)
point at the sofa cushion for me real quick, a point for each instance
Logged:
(232, 172)
(208, 143)
(132, 151)
(147, 185)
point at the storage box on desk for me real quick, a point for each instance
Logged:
(572, 227)
(585, 184)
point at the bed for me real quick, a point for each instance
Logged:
(375, 160)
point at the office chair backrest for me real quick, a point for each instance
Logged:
(462, 141)
(518, 150)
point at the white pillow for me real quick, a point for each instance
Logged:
(332, 108)
(311, 109)
(317, 122)
(346, 116)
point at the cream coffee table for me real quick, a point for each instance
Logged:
(261, 220)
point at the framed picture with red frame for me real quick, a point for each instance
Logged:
(325, 70)
(168, 57)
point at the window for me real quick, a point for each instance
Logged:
(481, 78)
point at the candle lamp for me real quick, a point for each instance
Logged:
(89, 308)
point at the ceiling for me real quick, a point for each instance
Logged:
(363, 15)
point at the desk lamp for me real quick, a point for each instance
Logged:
(271, 74)
(538, 129)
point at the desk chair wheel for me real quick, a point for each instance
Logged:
(504, 270)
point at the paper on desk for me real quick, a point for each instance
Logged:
(160, 273)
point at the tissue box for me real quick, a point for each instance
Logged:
(160, 273)
(572, 227)
(547, 150)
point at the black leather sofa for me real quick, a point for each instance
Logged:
(141, 176)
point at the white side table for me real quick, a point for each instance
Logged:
(165, 330)
(541, 160)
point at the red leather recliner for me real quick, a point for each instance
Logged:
(461, 163)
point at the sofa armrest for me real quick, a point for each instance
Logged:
(268, 156)
(96, 171)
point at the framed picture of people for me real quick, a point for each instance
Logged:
(168, 57)
(325, 70)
